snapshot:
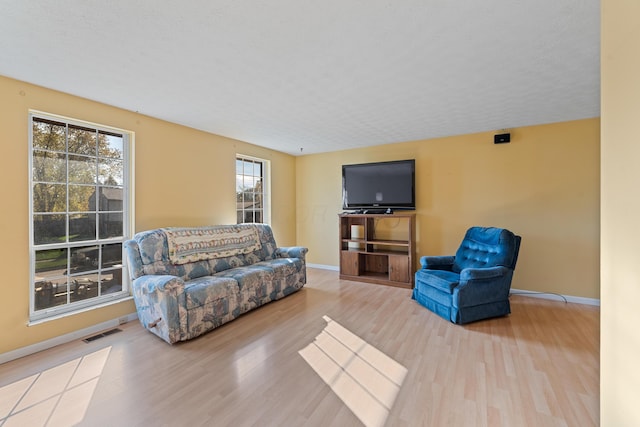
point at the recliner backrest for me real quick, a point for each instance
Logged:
(484, 247)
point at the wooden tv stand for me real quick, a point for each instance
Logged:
(381, 252)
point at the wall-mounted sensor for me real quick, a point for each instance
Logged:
(502, 138)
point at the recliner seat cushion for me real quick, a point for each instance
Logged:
(442, 280)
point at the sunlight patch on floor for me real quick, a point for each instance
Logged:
(363, 377)
(58, 396)
(246, 364)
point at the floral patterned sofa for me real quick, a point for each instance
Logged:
(188, 281)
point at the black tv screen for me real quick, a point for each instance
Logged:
(379, 185)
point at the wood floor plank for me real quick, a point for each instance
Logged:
(538, 366)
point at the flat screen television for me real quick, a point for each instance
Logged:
(379, 186)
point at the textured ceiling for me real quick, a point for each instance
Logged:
(316, 75)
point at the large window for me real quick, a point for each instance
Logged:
(79, 214)
(252, 196)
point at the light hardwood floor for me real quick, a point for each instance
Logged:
(537, 367)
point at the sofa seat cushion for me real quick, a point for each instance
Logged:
(256, 284)
(442, 280)
(283, 267)
(288, 276)
(248, 277)
(204, 290)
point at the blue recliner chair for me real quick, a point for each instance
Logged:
(475, 283)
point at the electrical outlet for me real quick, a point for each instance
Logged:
(122, 320)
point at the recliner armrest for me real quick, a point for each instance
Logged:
(437, 262)
(469, 274)
(482, 285)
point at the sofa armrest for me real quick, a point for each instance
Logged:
(437, 262)
(171, 285)
(133, 259)
(161, 305)
(292, 252)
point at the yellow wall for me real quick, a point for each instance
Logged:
(182, 177)
(620, 210)
(544, 185)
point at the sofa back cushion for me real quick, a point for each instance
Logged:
(190, 244)
(484, 247)
(153, 248)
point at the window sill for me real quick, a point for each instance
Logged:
(78, 311)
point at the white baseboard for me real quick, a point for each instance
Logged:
(63, 339)
(534, 294)
(324, 267)
(556, 297)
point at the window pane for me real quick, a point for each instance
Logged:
(50, 293)
(239, 217)
(49, 166)
(49, 229)
(83, 287)
(82, 141)
(111, 281)
(110, 145)
(82, 169)
(110, 225)
(110, 199)
(51, 263)
(82, 227)
(248, 216)
(49, 135)
(248, 168)
(111, 255)
(49, 198)
(81, 198)
(238, 183)
(257, 169)
(84, 258)
(248, 199)
(110, 172)
(239, 166)
(247, 182)
(258, 216)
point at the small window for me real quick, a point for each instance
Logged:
(79, 175)
(251, 190)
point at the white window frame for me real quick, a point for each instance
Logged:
(266, 185)
(37, 316)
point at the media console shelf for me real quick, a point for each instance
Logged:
(378, 248)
